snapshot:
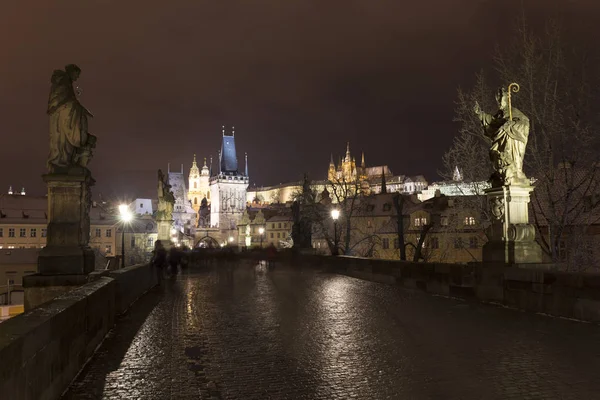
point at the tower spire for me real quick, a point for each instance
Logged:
(246, 171)
(383, 185)
(348, 152)
(331, 162)
(362, 162)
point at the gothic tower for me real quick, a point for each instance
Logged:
(194, 193)
(228, 188)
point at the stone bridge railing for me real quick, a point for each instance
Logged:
(43, 349)
(533, 288)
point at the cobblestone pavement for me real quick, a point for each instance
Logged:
(246, 333)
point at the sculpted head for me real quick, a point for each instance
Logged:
(73, 71)
(502, 98)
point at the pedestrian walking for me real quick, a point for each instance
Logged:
(159, 260)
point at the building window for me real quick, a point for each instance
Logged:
(272, 235)
(150, 242)
(458, 243)
(33, 232)
(11, 232)
(279, 225)
(434, 243)
(44, 232)
(108, 249)
(369, 223)
(285, 225)
(385, 243)
(1, 232)
(420, 221)
(473, 242)
(98, 232)
(470, 221)
(444, 220)
(195, 200)
(22, 232)
(278, 237)
(109, 233)
(132, 241)
(195, 185)
(396, 243)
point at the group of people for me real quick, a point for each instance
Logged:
(166, 262)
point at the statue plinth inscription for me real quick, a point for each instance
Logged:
(511, 237)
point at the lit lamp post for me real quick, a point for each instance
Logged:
(126, 217)
(335, 214)
(261, 232)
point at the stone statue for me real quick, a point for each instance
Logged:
(508, 131)
(166, 199)
(70, 142)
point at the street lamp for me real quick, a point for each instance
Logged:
(126, 217)
(261, 231)
(335, 214)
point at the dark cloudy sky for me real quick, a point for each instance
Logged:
(298, 78)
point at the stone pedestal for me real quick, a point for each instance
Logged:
(164, 231)
(511, 237)
(67, 252)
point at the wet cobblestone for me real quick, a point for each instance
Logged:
(246, 333)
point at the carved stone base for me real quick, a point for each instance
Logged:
(164, 230)
(69, 200)
(65, 260)
(511, 237)
(510, 252)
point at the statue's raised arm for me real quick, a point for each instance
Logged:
(71, 144)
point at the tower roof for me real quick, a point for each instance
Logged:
(228, 155)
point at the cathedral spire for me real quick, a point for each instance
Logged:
(246, 170)
(362, 162)
(348, 152)
(331, 162)
(383, 185)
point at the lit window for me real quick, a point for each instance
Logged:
(470, 221)
(33, 232)
(109, 233)
(108, 249)
(11, 232)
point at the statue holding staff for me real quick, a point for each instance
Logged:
(508, 131)
(70, 142)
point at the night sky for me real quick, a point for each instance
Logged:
(297, 78)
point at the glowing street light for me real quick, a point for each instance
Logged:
(335, 214)
(230, 239)
(126, 216)
(261, 231)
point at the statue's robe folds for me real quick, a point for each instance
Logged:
(509, 140)
(68, 122)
